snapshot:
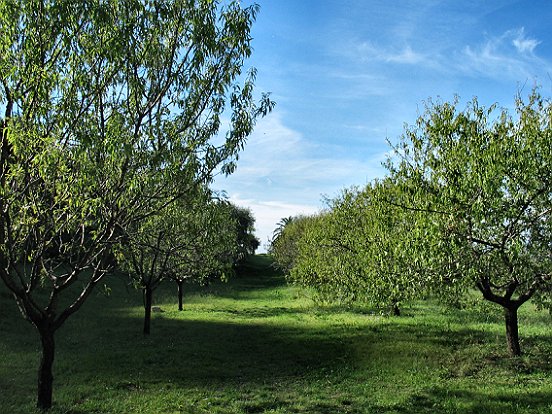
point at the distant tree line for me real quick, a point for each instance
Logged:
(465, 206)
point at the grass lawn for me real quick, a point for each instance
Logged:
(256, 345)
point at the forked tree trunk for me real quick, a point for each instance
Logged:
(510, 310)
(512, 333)
(45, 376)
(148, 295)
(179, 283)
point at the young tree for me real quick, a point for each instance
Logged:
(109, 110)
(481, 184)
(284, 248)
(211, 245)
(192, 238)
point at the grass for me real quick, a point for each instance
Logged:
(256, 345)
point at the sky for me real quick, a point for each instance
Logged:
(348, 75)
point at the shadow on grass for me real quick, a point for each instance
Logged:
(447, 400)
(199, 353)
(102, 354)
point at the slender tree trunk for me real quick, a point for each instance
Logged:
(179, 283)
(512, 334)
(45, 377)
(148, 294)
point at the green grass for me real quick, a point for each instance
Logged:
(256, 345)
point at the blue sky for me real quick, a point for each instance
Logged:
(348, 74)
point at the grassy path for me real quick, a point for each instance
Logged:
(255, 345)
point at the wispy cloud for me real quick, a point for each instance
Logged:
(277, 155)
(368, 51)
(511, 55)
(524, 44)
(269, 212)
(282, 173)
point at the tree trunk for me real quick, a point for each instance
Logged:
(148, 294)
(396, 310)
(512, 334)
(179, 283)
(45, 377)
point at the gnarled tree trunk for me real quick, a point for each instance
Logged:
(511, 307)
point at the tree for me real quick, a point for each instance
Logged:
(109, 113)
(280, 226)
(480, 183)
(211, 245)
(193, 238)
(284, 248)
(357, 250)
(246, 241)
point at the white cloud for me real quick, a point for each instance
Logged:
(281, 173)
(367, 51)
(269, 212)
(510, 55)
(282, 158)
(406, 56)
(523, 44)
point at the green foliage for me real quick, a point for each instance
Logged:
(358, 249)
(483, 182)
(284, 247)
(466, 204)
(111, 111)
(194, 238)
(247, 243)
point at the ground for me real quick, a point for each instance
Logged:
(257, 345)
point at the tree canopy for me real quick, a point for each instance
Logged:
(193, 239)
(483, 182)
(466, 205)
(110, 113)
(357, 250)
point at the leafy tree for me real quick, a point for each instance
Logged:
(210, 235)
(190, 239)
(246, 241)
(284, 248)
(357, 250)
(480, 183)
(109, 110)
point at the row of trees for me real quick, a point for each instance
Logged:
(195, 239)
(465, 206)
(113, 119)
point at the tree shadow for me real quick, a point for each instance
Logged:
(102, 352)
(460, 401)
(198, 353)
